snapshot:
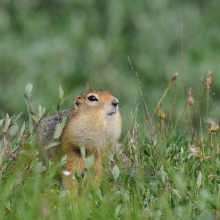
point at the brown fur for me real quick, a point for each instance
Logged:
(89, 125)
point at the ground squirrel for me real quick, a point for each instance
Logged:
(94, 122)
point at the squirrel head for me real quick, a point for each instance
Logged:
(95, 120)
(96, 102)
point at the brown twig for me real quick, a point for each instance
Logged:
(32, 108)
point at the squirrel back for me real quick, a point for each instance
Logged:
(46, 129)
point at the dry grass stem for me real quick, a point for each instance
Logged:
(208, 79)
(180, 122)
(199, 106)
(182, 52)
(213, 176)
(165, 92)
(161, 114)
(144, 103)
(171, 115)
(87, 86)
(208, 84)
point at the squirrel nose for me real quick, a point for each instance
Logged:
(115, 103)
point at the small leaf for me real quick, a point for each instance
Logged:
(34, 117)
(5, 141)
(16, 117)
(179, 212)
(76, 176)
(33, 162)
(28, 89)
(1, 159)
(64, 157)
(111, 156)
(55, 107)
(58, 130)
(177, 193)
(27, 104)
(97, 190)
(41, 112)
(63, 123)
(89, 161)
(7, 123)
(199, 179)
(63, 194)
(53, 144)
(22, 129)
(52, 170)
(83, 152)
(61, 92)
(1, 121)
(13, 129)
(162, 174)
(30, 124)
(53, 182)
(4, 115)
(116, 171)
(157, 215)
(7, 205)
(65, 97)
(141, 188)
(39, 167)
(117, 210)
(61, 163)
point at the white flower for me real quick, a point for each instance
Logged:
(66, 172)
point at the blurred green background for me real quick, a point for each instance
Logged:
(68, 43)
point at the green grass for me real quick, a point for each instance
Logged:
(169, 171)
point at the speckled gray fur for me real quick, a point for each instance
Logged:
(46, 128)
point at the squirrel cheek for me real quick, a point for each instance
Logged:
(104, 123)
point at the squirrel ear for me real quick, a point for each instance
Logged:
(78, 101)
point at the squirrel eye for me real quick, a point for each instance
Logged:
(92, 98)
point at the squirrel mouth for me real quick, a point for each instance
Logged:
(111, 113)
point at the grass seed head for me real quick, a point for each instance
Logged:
(160, 113)
(213, 125)
(208, 79)
(190, 99)
(174, 77)
(195, 151)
